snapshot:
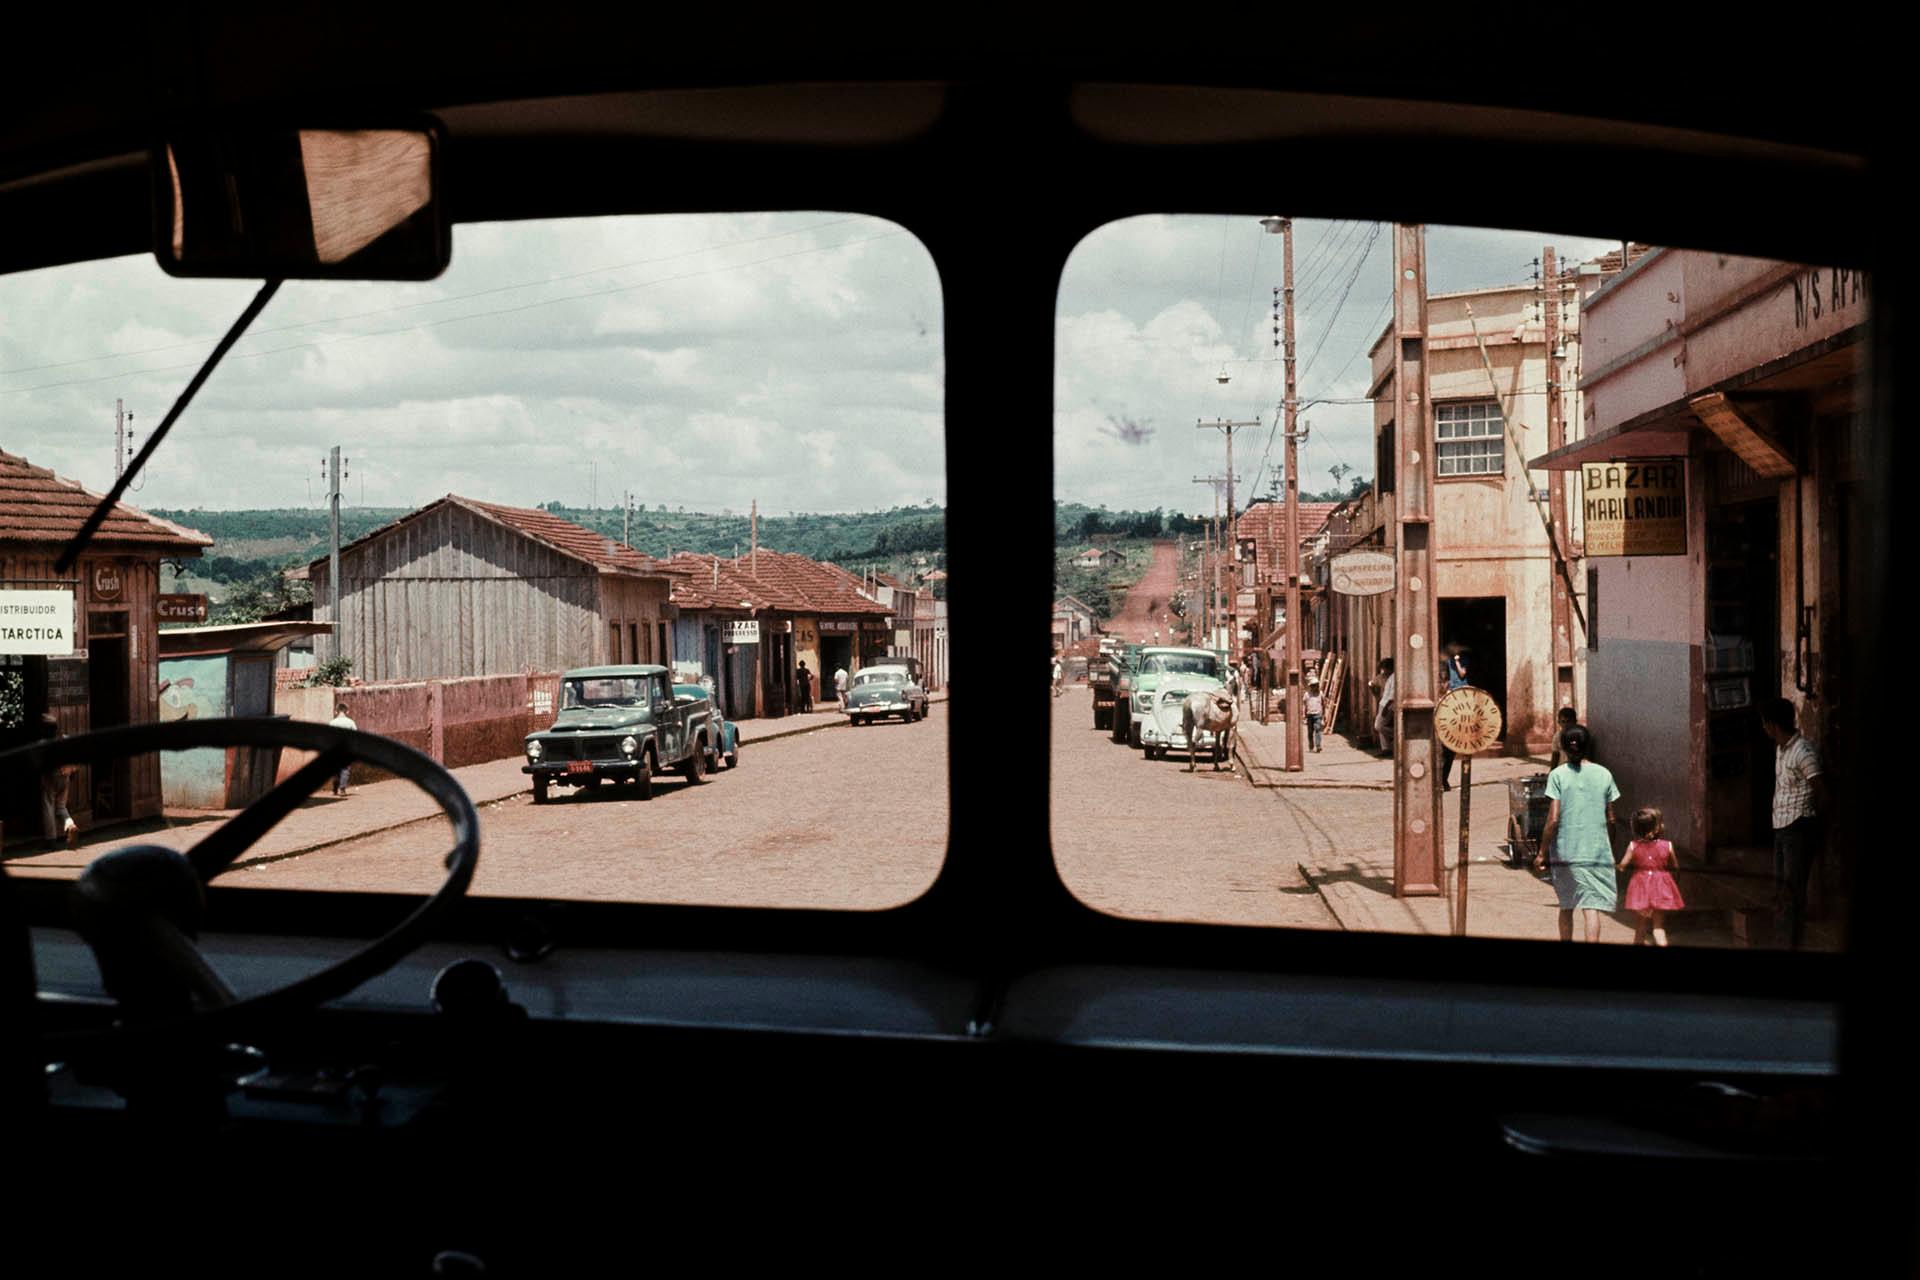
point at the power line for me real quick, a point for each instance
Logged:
(1341, 305)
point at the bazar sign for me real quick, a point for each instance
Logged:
(1635, 508)
(36, 622)
(1362, 573)
(180, 608)
(743, 632)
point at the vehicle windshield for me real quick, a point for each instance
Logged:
(879, 677)
(1444, 496)
(1192, 664)
(623, 691)
(710, 444)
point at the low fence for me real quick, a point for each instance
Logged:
(456, 722)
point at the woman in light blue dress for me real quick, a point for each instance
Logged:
(1578, 840)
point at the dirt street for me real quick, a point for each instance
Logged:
(1140, 614)
(1146, 839)
(842, 817)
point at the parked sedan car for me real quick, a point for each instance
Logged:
(623, 723)
(885, 691)
(1161, 667)
(722, 740)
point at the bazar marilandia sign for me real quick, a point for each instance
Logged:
(1636, 508)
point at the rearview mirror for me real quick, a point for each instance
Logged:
(302, 204)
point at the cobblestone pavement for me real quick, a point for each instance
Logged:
(1146, 839)
(836, 817)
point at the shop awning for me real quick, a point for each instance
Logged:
(1664, 433)
(239, 637)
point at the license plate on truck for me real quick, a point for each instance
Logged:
(579, 766)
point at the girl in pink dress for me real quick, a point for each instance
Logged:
(1652, 891)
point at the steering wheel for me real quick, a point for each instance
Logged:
(140, 907)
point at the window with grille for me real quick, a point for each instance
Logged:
(1468, 438)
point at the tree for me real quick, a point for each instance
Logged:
(261, 595)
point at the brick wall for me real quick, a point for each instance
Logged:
(458, 722)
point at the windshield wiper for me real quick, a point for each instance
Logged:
(77, 543)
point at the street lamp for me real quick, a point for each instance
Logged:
(1274, 224)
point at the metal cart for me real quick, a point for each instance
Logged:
(1527, 806)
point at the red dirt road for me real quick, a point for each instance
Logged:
(1141, 614)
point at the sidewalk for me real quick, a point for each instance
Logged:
(1262, 749)
(1341, 806)
(326, 819)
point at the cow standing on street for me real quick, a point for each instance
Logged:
(1213, 712)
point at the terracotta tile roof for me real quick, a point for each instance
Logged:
(1266, 524)
(38, 506)
(784, 581)
(564, 536)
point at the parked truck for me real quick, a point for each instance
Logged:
(1112, 686)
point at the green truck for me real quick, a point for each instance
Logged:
(1111, 675)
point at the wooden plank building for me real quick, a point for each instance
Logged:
(111, 678)
(469, 588)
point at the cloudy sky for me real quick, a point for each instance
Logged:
(698, 362)
(1153, 309)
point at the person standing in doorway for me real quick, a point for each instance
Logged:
(806, 686)
(1316, 708)
(1578, 840)
(840, 685)
(341, 720)
(1801, 803)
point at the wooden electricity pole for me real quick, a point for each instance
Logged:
(1290, 562)
(1559, 534)
(1228, 538)
(1416, 792)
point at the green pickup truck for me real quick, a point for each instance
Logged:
(625, 723)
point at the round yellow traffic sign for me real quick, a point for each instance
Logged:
(1467, 720)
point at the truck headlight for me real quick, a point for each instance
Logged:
(629, 745)
(535, 751)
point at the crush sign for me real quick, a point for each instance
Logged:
(1636, 508)
(36, 622)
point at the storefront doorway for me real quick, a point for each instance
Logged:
(107, 684)
(1742, 653)
(1478, 624)
(836, 654)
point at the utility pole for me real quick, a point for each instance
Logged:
(1227, 538)
(755, 526)
(1296, 718)
(1416, 794)
(335, 473)
(119, 440)
(1211, 585)
(1558, 534)
(626, 520)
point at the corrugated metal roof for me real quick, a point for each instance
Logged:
(38, 506)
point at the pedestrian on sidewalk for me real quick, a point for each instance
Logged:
(1383, 718)
(1316, 708)
(1056, 677)
(1801, 803)
(1578, 840)
(1453, 675)
(840, 685)
(1652, 891)
(341, 720)
(1566, 718)
(56, 821)
(805, 678)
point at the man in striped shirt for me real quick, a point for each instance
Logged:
(1801, 803)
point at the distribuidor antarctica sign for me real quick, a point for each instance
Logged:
(1362, 573)
(1636, 508)
(36, 622)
